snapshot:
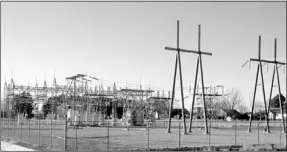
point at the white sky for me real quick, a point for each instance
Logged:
(125, 42)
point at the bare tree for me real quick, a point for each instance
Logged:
(232, 101)
(242, 108)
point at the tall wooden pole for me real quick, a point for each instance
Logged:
(263, 88)
(180, 76)
(172, 95)
(202, 82)
(193, 97)
(259, 69)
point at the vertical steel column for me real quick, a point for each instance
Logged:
(202, 82)
(193, 98)
(263, 88)
(180, 76)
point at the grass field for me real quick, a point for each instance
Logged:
(117, 138)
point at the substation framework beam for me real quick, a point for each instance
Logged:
(199, 65)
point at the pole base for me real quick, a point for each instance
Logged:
(206, 133)
(168, 132)
(266, 132)
(189, 131)
(249, 131)
(185, 133)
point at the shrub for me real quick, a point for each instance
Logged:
(39, 116)
(263, 147)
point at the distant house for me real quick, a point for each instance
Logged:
(275, 113)
(229, 114)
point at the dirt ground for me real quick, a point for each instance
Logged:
(115, 138)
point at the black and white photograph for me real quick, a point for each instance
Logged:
(143, 75)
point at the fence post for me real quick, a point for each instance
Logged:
(235, 131)
(66, 129)
(75, 124)
(39, 131)
(209, 135)
(179, 135)
(14, 132)
(108, 136)
(280, 133)
(8, 126)
(148, 135)
(51, 133)
(14, 128)
(280, 137)
(21, 128)
(258, 132)
(29, 130)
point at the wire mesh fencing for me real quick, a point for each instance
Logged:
(111, 135)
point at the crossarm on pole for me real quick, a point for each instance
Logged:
(187, 51)
(267, 61)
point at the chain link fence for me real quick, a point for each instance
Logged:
(116, 136)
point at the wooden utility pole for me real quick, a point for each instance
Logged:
(199, 64)
(259, 69)
(275, 72)
(178, 61)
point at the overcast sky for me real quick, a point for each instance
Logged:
(125, 42)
